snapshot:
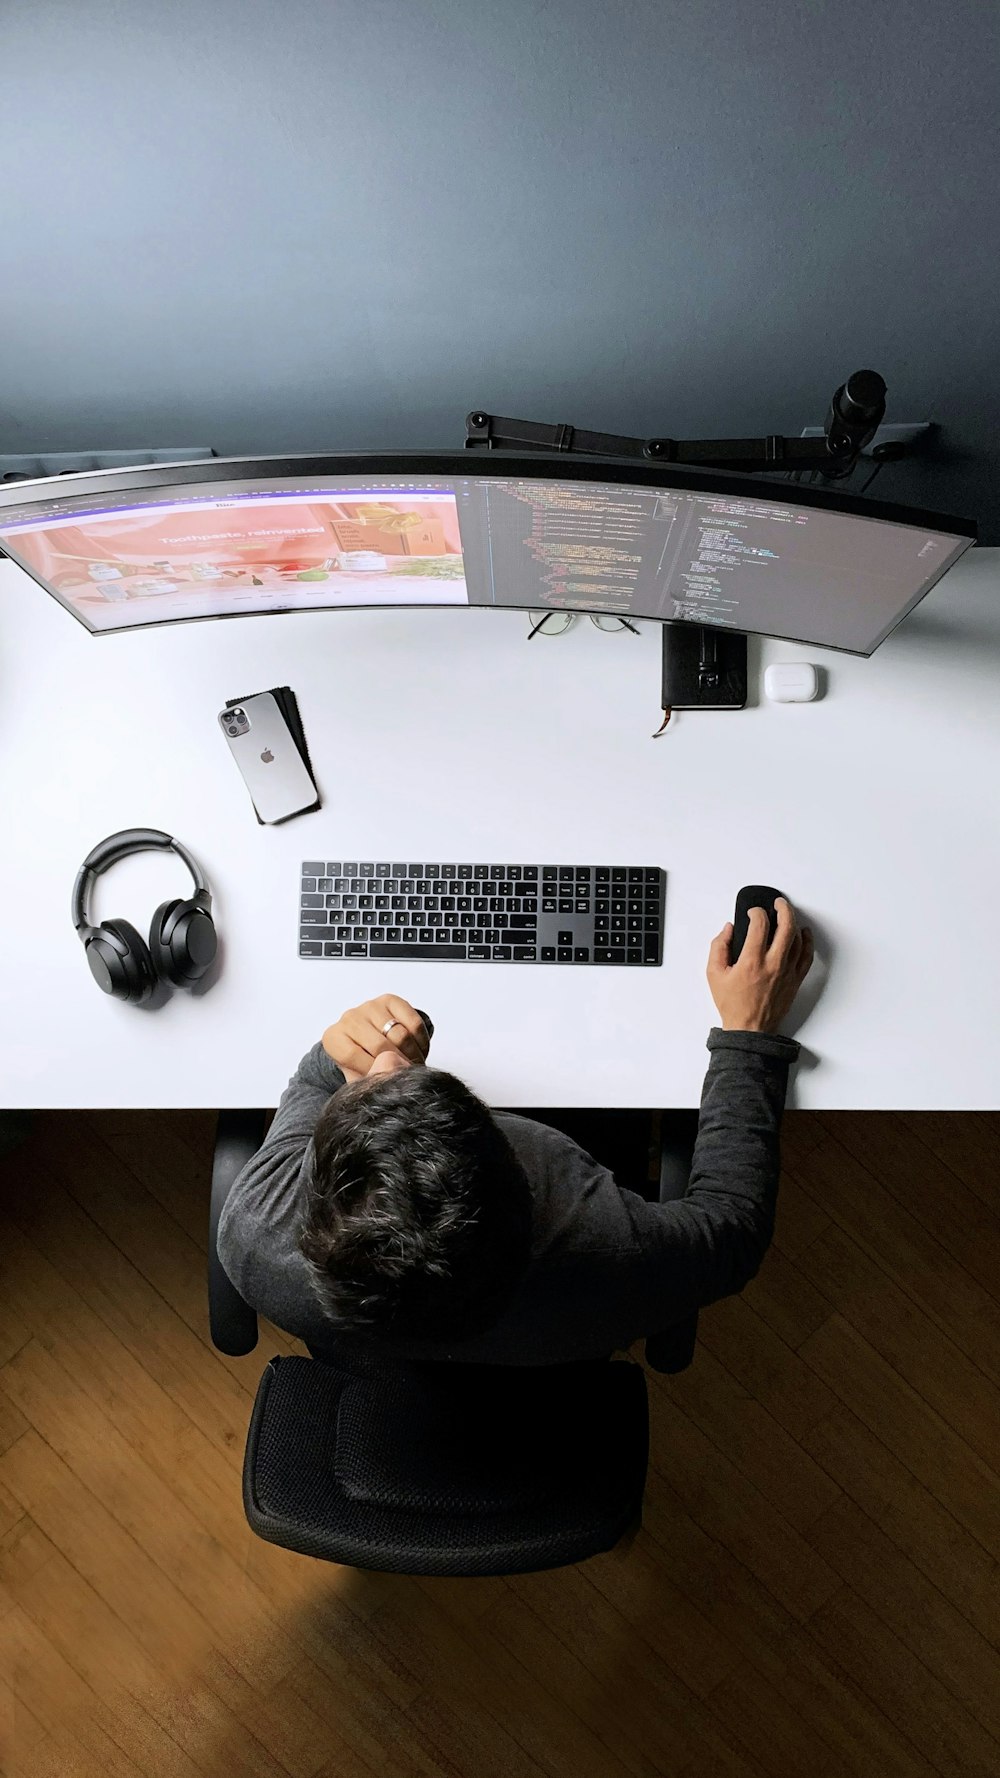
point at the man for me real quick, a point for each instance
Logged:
(390, 1211)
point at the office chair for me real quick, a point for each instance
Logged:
(444, 1469)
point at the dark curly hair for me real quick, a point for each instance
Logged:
(419, 1212)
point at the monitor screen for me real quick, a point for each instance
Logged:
(125, 548)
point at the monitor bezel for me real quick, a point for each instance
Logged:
(452, 464)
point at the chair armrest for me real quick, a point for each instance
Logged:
(233, 1323)
(672, 1349)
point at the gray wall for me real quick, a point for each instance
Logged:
(302, 226)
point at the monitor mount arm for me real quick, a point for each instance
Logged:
(853, 417)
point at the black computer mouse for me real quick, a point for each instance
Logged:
(755, 895)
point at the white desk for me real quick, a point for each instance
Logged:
(443, 734)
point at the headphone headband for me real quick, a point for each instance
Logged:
(122, 845)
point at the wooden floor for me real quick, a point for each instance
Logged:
(815, 1591)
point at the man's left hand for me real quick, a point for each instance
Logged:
(357, 1037)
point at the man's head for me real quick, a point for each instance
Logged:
(419, 1216)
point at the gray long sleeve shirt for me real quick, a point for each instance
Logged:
(606, 1266)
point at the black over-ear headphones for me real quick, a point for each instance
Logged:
(182, 938)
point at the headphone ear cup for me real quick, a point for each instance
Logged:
(159, 949)
(182, 941)
(120, 962)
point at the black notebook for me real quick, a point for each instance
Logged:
(680, 687)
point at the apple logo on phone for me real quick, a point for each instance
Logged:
(267, 756)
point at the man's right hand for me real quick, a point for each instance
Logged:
(755, 993)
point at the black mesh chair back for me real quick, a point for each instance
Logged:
(447, 1469)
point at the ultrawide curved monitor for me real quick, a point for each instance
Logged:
(175, 543)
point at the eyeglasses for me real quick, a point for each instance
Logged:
(556, 623)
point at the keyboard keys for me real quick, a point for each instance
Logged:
(448, 953)
(611, 914)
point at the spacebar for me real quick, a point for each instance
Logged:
(438, 952)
